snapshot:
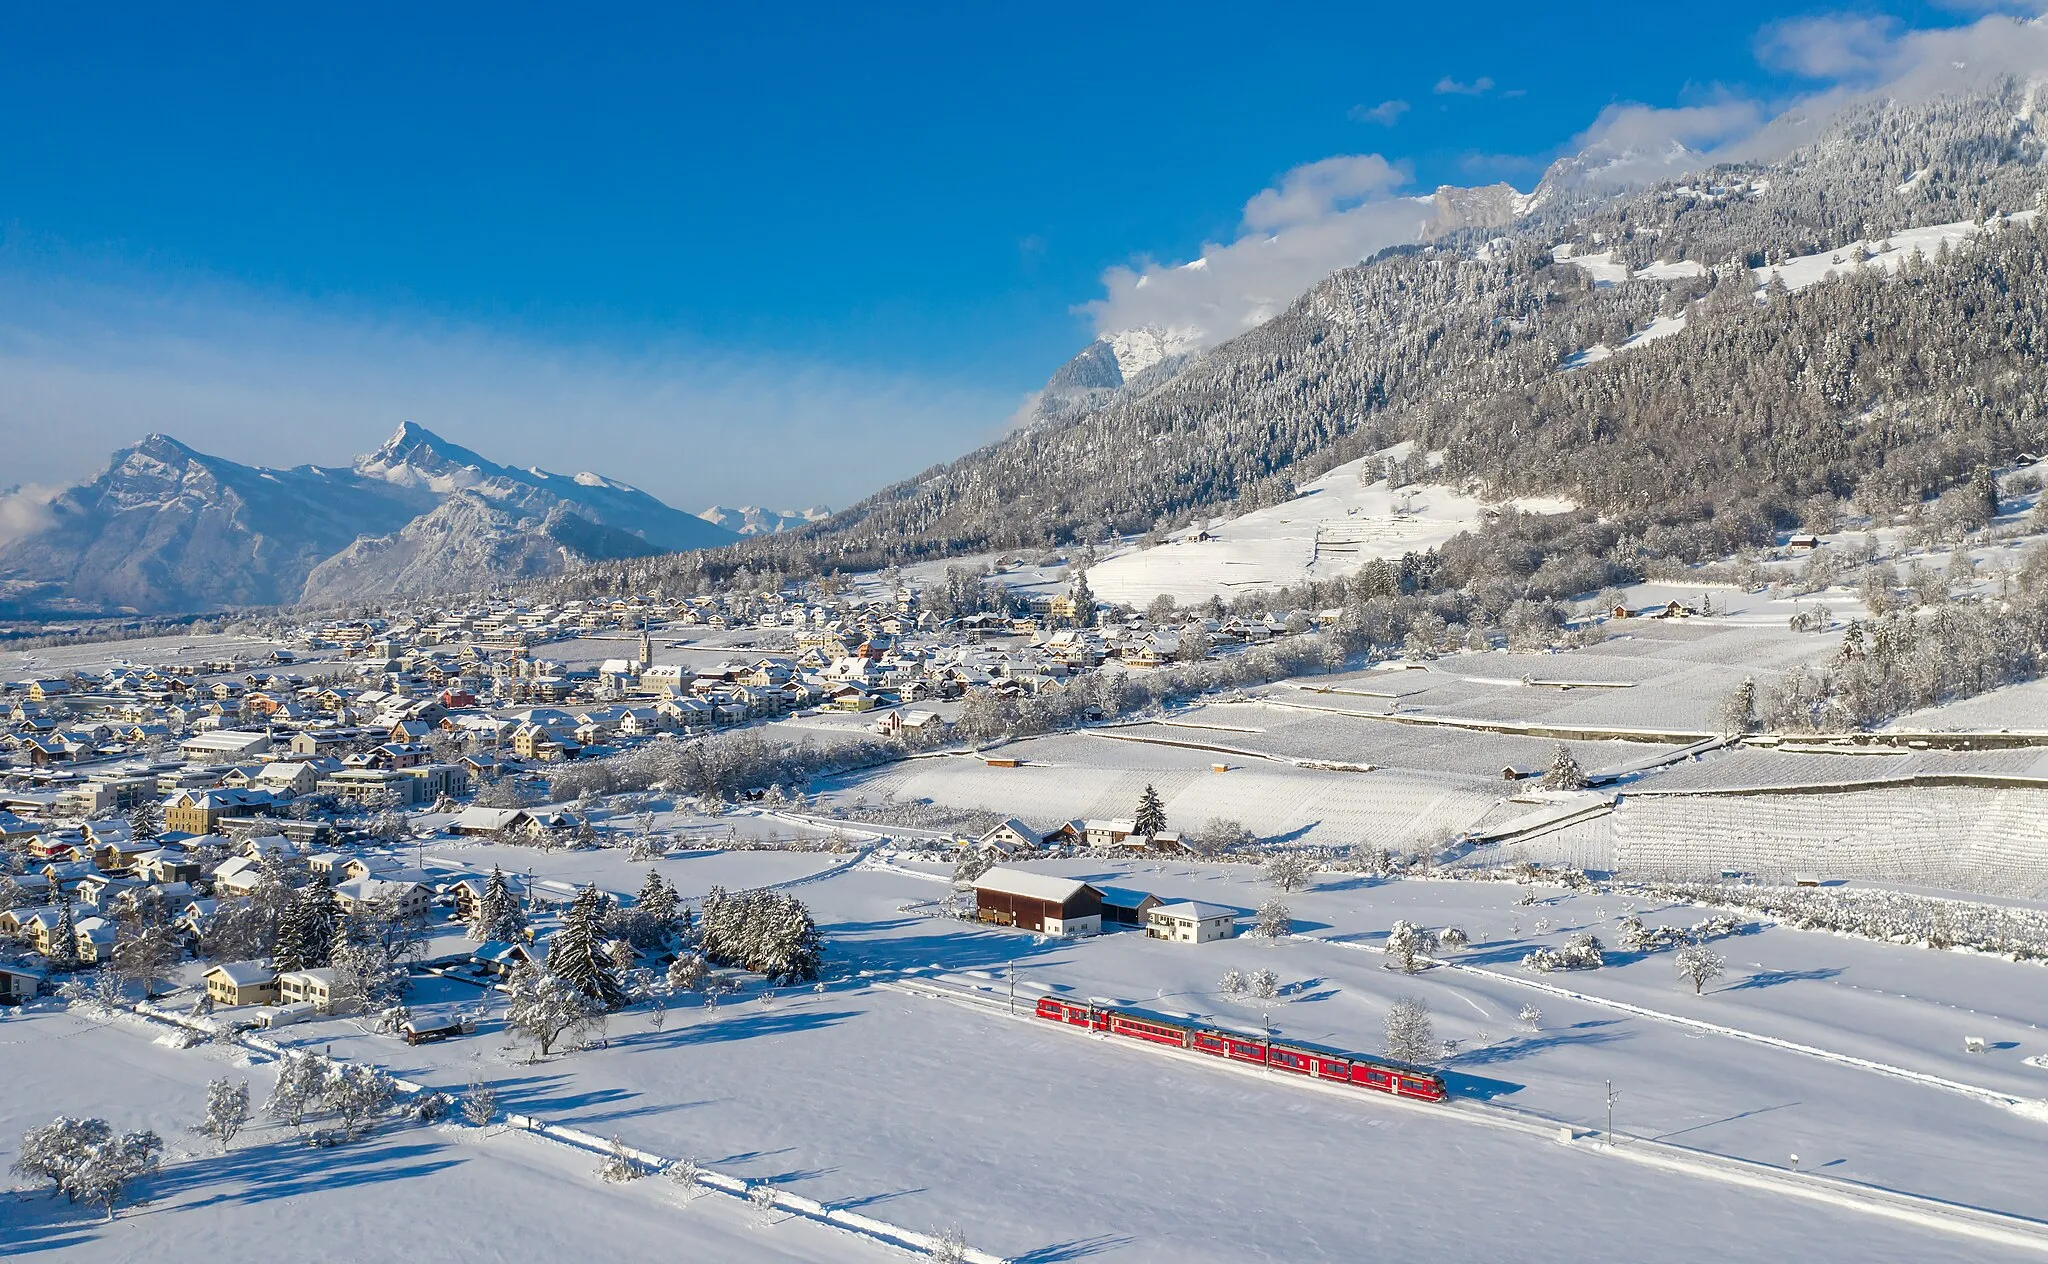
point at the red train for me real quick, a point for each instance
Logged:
(1320, 1064)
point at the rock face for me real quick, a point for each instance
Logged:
(167, 529)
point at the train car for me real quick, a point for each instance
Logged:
(1295, 1059)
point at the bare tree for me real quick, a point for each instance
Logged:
(1289, 870)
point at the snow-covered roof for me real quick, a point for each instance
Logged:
(1194, 911)
(1035, 886)
(244, 973)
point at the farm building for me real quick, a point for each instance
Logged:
(1191, 922)
(1122, 906)
(1011, 836)
(1038, 901)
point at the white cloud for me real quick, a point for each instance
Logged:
(91, 366)
(1318, 218)
(1834, 47)
(24, 511)
(1317, 190)
(1386, 113)
(1479, 87)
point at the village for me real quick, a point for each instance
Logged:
(593, 836)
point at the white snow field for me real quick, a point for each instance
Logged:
(414, 1192)
(1332, 528)
(1044, 1145)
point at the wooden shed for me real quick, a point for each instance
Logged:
(1122, 906)
(1042, 902)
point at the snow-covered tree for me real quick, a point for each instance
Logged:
(306, 929)
(1273, 920)
(366, 977)
(1738, 710)
(479, 1104)
(1453, 939)
(973, 863)
(301, 1078)
(106, 1170)
(1699, 966)
(1564, 772)
(545, 1007)
(764, 931)
(1580, 952)
(359, 1096)
(227, 1109)
(658, 901)
(949, 1246)
(499, 919)
(1232, 984)
(1407, 942)
(1530, 1017)
(1264, 985)
(1289, 870)
(54, 1151)
(1221, 835)
(145, 952)
(146, 820)
(686, 971)
(63, 953)
(1151, 816)
(1411, 1035)
(577, 955)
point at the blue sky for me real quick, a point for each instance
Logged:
(865, 233)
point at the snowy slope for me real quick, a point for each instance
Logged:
(1335, 526)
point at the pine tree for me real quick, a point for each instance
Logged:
(577, 953)
(306, 928)
(1151, 812)
(499, 919)
(1084, 600)
(657, 899)
(1564, 773)
(146, 820)
(63, 953)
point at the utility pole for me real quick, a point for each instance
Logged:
(1611, 1095)
(1013, 987)
(1266, 1033)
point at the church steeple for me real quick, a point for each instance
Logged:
(646, 649)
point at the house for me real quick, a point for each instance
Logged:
(223, 746)
(242, 983)
(1105, 834)
(202, 811)
(1121, 906)
(1004, 896)
(1191, 922)
(19, 983)
(95, 940)
(386, 895)
(239, 876)
(313, 987)
(1010, 837)
(475, 820)
(501, 959)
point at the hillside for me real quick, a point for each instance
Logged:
(1475, 346)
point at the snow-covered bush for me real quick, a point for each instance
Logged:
(479, 1104)
(1406, 942)
(618, 1166)
(1273, 920)
(1891, 916)
(1263, 985)
(1232, 985)
(1580, 952)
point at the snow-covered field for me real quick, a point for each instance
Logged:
(1044, 1145)
(445, 1192)
(1336, 525)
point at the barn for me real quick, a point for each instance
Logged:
(1038, 901)
(1122, 906)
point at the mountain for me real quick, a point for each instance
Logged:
(165, 528)
(415, 457)
(1723, 412)
(752, 520)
